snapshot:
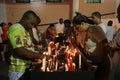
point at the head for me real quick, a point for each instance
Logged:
(96, 17)
(61, 20)
(110, 22)
(118, 13)
(30, 20)
(67, 23)
(3, 24)
(80, 21)
(52, 26)
(9, 24)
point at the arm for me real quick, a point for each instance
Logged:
(34, 36)
(99, 54)
(26, 54)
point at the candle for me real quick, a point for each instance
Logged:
(66, 67)
(56, 66)
(44, 63)
(49, 50)
(79, 61)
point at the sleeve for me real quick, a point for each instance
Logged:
(16, 38)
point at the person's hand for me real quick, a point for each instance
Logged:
(113, 44)
(37, 62)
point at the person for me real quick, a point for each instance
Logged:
(59, 26)
(4, 41)
(9, 24)
(4, 35)
(67, 28)
(50, 32)
(91, 41)
(110, 34)
(110, 30)
(1, 32)
(114, 45)
(21, 46)
(96, 17)
(1, 45)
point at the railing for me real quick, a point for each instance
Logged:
(47, 24)
(112, 13)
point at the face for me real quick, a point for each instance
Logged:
(33, 24)
(94, 18)
(61, 21)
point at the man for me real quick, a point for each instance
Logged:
(91, 41)
(96, 16)
(60, 26)
(21, 46)
(115, 44)
(110, 30)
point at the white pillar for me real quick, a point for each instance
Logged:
(75, 6)
(2, 11)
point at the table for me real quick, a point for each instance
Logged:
(78, 75)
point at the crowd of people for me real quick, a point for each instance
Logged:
(71, 45)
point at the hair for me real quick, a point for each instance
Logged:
(67, 21)
(9, 23)
(79, 18)
(51, 25)
(110, 22)
(29, 15)
(3, 24)
(97, 14)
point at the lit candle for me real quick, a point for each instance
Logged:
(44, 63)
(49, 50)
(66, 67)
(56, 66)
(79, 61)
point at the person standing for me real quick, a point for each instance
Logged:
(92, 45)
(21, 46)
(110, 30)
(1, 32)
(96, 17)
(60, 26)
(50, 32)
(115, 45)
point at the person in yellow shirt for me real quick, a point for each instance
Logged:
(20, 44)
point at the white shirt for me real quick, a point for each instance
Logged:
(59, 28)
(91, 45)
(35, 34)
(102, 25)
(110, 32)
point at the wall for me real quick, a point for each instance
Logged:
(48, 12)
(107, 6)
(52, 12)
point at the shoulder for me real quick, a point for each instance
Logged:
(97, 32)
(94, 29)
(15, 29)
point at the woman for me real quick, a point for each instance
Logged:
(50, 32)
(92, 41)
